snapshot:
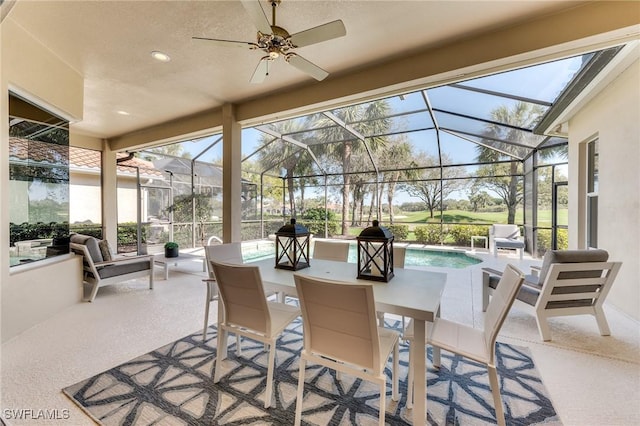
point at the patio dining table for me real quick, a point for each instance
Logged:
(412, 293)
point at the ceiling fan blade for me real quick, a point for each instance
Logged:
(261, 72)
(319, 34)
(227, 43)
(255, 11)
(308, 67)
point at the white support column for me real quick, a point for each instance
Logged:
(109, 195)
(231, 175)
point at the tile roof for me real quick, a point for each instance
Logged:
(77, 158)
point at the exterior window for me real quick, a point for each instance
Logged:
(592, 194)
(38, 183)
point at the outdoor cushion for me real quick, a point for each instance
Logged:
(528, 292)
(106, 250)
(571, 256)
(508, 243)
(92, 245)
(116, 270)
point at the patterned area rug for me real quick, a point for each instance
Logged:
(174, 385)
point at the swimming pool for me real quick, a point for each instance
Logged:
(414, 256)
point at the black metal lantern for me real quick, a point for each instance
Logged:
(375, 253)
(292, 247)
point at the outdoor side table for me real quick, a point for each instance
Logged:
(479, 237)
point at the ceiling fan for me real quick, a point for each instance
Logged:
(275, 41)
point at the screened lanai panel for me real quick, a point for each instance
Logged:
(425, 141)
(207, 175)
(503, 149)
(487, 130)
(479, 129)
(326, 135)
(207, 149)
(486, 106)
(544, 81)
(408, 102)
(553, 141)
(276, 155)
(394, 124)
(457, 150)
(553, 155)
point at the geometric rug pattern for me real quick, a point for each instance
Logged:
(173, 385)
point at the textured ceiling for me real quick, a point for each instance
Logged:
(109, 43)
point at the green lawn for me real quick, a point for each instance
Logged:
(461, 216)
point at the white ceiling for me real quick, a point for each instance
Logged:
(109, 43)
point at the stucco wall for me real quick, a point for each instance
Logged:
(614, 117)
(44, 288)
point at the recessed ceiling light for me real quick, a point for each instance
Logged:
(162, 57)
(122, 112)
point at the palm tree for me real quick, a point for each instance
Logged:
(502, 178)
(367, 119)
(292, 158)
(398, 155)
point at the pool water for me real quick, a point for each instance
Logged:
(413, 256)
(443, 259)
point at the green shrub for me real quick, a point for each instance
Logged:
(400, 232)
(544, 240)
(313, 220)
(428, 234)
(34, 231)
(460, 235)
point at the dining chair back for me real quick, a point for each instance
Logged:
(242, 296)
(248, 313)
(340, 332)
(229, 253)
(399, 254)
(499, 307)
(475, 344)
(331, 250)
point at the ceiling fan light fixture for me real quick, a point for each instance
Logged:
(276, 41)
(160, 56)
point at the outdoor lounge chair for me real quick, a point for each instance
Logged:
(99, 272)
(503, 236)
(570, 282)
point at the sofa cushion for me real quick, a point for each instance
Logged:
(126, 268)
(106, 250)
(529, 291)
(92, 246)
(508, 243)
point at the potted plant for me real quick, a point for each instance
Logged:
(171, 249)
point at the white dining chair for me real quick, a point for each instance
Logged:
(331, 250)
(478, 345)
(248, 313)
(228, 253)
(341, 333)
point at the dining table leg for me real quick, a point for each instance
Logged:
(436, 350)
(420, 371)
(223, 353)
